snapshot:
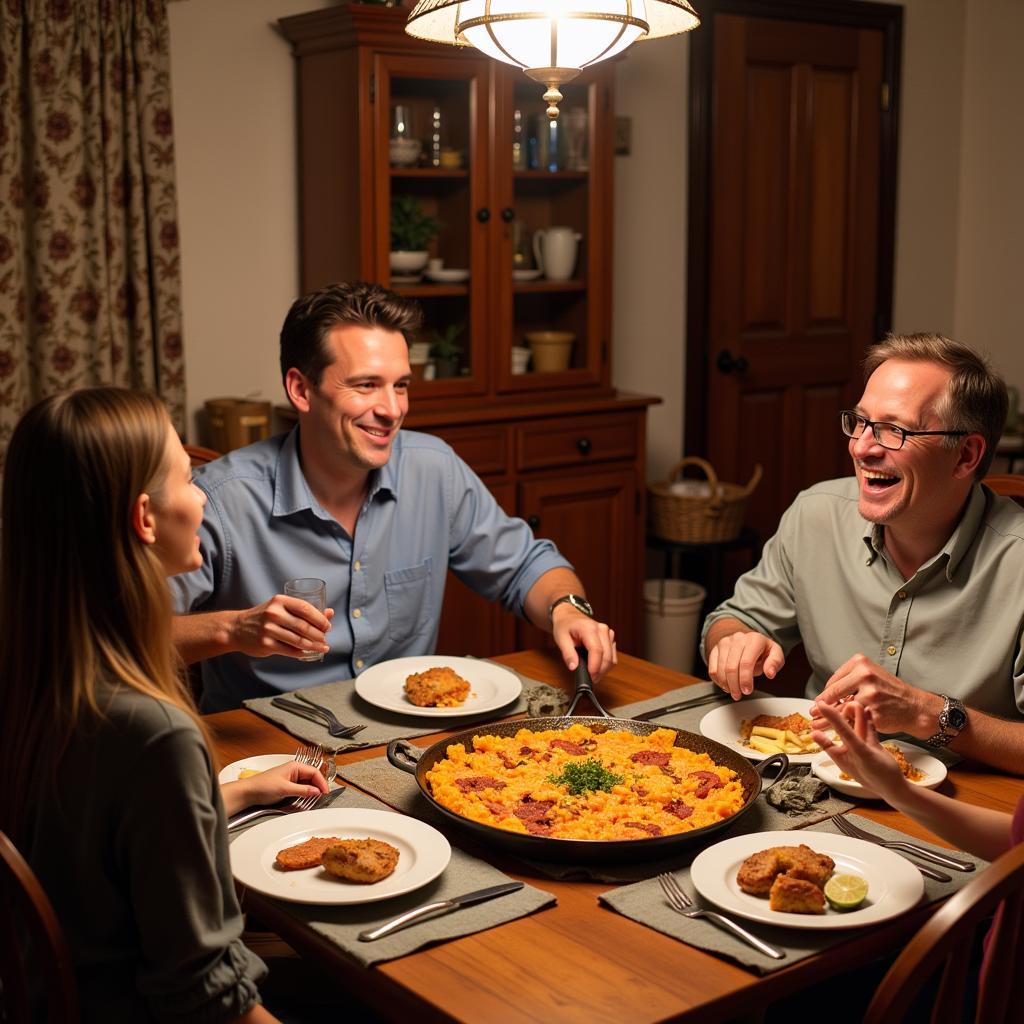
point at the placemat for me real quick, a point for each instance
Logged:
(381, 726)
(342, 925)
(399, 790)
(645, 902)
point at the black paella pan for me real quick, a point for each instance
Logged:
(403, 756)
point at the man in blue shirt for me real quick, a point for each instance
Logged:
(379, 513)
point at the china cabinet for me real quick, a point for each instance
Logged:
(513, 271)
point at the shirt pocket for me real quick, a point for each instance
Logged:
(410, 603)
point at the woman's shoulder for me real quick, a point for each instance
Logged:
(143, 718)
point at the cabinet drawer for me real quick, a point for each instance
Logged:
(484, 448)
(575, 441)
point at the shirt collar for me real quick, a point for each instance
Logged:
(960, 540)
(292, 493)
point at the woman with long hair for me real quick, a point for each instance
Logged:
(109, 784)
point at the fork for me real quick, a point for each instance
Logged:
(334, 727)
(317, 715)
(306, 803)
(848, 828)
(681, 903)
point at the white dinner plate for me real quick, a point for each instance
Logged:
(257, 763)
(723, 724)
(423, 853)
(446, 275)
(525, 275)
(826, 769)
(490, 686)
(894, 884)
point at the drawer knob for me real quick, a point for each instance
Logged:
(533, 522)
(483, 215)
(584, 445)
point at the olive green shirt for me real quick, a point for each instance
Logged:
(131, 847)
(954, 628)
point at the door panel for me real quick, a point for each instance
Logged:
(793, 241)
(589, 516)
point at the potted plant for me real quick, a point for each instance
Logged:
(446, 351)
(412, 230)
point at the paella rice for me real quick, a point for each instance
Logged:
(538, 783)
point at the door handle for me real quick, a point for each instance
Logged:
(533, 522)
(726, 363)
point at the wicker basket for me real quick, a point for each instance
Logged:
(704, 520)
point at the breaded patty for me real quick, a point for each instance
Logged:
(759, 871)
(796, 896)
(305, 855)
(440, 687)
(360, 860)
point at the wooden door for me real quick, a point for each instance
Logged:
(792, 289)
(590, 516)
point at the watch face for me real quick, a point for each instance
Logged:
(583, 606)
(956, 718)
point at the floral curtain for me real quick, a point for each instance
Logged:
(90, 289)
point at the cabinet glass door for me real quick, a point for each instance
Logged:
(550, 175)
(431, 236)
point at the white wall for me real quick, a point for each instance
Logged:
(960, 150)
(233, 88)
(989, 310)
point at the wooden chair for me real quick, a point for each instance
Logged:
(1009, 484)
(200, 455)
(945, 941)
(25, 911)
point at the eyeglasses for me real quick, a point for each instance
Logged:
(888, 435)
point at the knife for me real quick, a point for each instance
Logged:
(694, 702)
(439, 907)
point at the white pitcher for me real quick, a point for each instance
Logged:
(554, 249)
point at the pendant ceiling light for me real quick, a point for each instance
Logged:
(551, 41)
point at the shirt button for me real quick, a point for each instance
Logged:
(902, 595)
(359, 663)
(357, 566)
(356, 613)
(891, 649)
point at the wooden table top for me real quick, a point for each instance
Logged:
(580, 961)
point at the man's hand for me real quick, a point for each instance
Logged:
(857, 751)
(895, 706)
(571, 629)
(282, 625)
(738, 657)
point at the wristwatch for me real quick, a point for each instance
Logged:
(952, 719)
(581, 604)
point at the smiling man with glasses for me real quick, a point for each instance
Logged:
(905, 583)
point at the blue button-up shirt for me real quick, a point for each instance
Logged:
(425, 512)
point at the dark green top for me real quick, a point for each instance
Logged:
(133, 852)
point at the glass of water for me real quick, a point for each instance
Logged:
(314, 592)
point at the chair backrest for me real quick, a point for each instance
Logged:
(25, 911)
(1009, 484)
(946, 941)
(200, 455)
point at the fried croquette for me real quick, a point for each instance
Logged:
(440, 687)
(361, 860)
(305, 855)
(910, 773)
(761, 874)
(795, 896)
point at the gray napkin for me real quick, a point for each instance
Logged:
(341, 925)
(399, 790)
(645, 902)
(381, 726)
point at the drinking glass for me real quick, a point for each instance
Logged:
(314, 592)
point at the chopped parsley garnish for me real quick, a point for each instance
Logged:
(586, 777)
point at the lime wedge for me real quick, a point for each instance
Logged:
(845, 892)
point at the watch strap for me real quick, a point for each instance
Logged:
(581, 604)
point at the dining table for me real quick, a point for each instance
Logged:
(578, 960)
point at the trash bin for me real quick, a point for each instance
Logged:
(672, 618)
